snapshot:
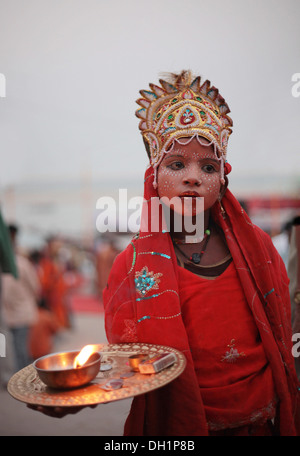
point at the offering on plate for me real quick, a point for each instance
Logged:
(157, 363)
(67, 370)
(53, 380)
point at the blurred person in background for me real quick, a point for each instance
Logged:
(42, 332)
(19, 299)
(281, 241)
(7, 266)
(54, 287)
(105, 257)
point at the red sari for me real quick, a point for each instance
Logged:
(234, 376)
(157, 317)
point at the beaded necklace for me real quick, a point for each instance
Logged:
(196, 256)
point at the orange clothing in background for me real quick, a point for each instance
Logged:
(54, 290)
(41, 334)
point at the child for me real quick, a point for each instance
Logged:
(222, 299)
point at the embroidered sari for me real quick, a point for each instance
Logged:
(143, 304)
(234, 375)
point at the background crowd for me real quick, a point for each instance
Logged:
(39, 289)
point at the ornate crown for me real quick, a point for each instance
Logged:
(183, 108)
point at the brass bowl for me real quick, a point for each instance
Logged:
(135, 360)
(57, 370)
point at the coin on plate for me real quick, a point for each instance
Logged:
(105, 367)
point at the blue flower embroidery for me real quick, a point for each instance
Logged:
(146, 281)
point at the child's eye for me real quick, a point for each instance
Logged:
(209, 169)
(176, 165)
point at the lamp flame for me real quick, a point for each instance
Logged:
(84, 355)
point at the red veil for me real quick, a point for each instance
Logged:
(177, 409)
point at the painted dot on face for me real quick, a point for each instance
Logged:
(190, 167)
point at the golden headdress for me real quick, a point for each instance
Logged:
(183, 108)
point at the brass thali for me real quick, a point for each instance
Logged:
(27, 387)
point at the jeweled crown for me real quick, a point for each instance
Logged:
(183, 108)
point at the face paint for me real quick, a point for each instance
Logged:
(193, 168)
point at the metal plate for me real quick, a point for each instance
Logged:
(26, 386)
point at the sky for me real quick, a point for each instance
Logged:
(74, 68)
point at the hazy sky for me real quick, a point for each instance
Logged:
(74, 68)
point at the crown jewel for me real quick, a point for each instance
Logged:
(183, 109)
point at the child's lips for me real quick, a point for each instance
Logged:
(189, 195)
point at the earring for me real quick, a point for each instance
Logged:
(221, 207)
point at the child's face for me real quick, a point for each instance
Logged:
(193, 168)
